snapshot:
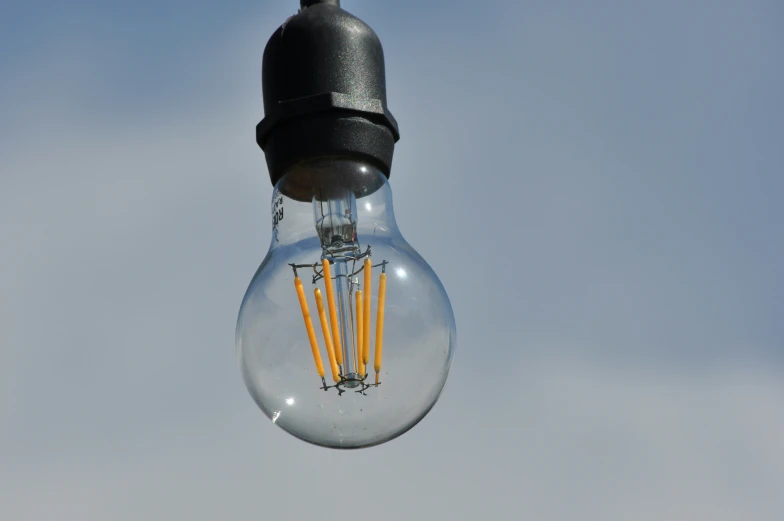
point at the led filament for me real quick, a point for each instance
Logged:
(347, 333)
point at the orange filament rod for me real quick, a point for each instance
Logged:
(303, 303)
(366, 313)
(333, 314)
(360, 336)
(327, 336)
(382, 296)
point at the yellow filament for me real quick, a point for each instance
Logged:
(333, 314)
(303, 303)
(360, 336)
(382, 296)
(327, 336)
(366, 314)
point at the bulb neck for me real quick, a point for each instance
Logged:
(337, 204)
(325, 178)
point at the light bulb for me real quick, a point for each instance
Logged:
(345, 336)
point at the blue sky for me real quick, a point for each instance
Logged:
(617, 166)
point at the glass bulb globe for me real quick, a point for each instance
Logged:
(345, 335)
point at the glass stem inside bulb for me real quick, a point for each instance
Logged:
(335, 219)
(344, 297)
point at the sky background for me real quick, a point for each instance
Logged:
(598, 185)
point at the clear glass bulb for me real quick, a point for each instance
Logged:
(345, 335)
